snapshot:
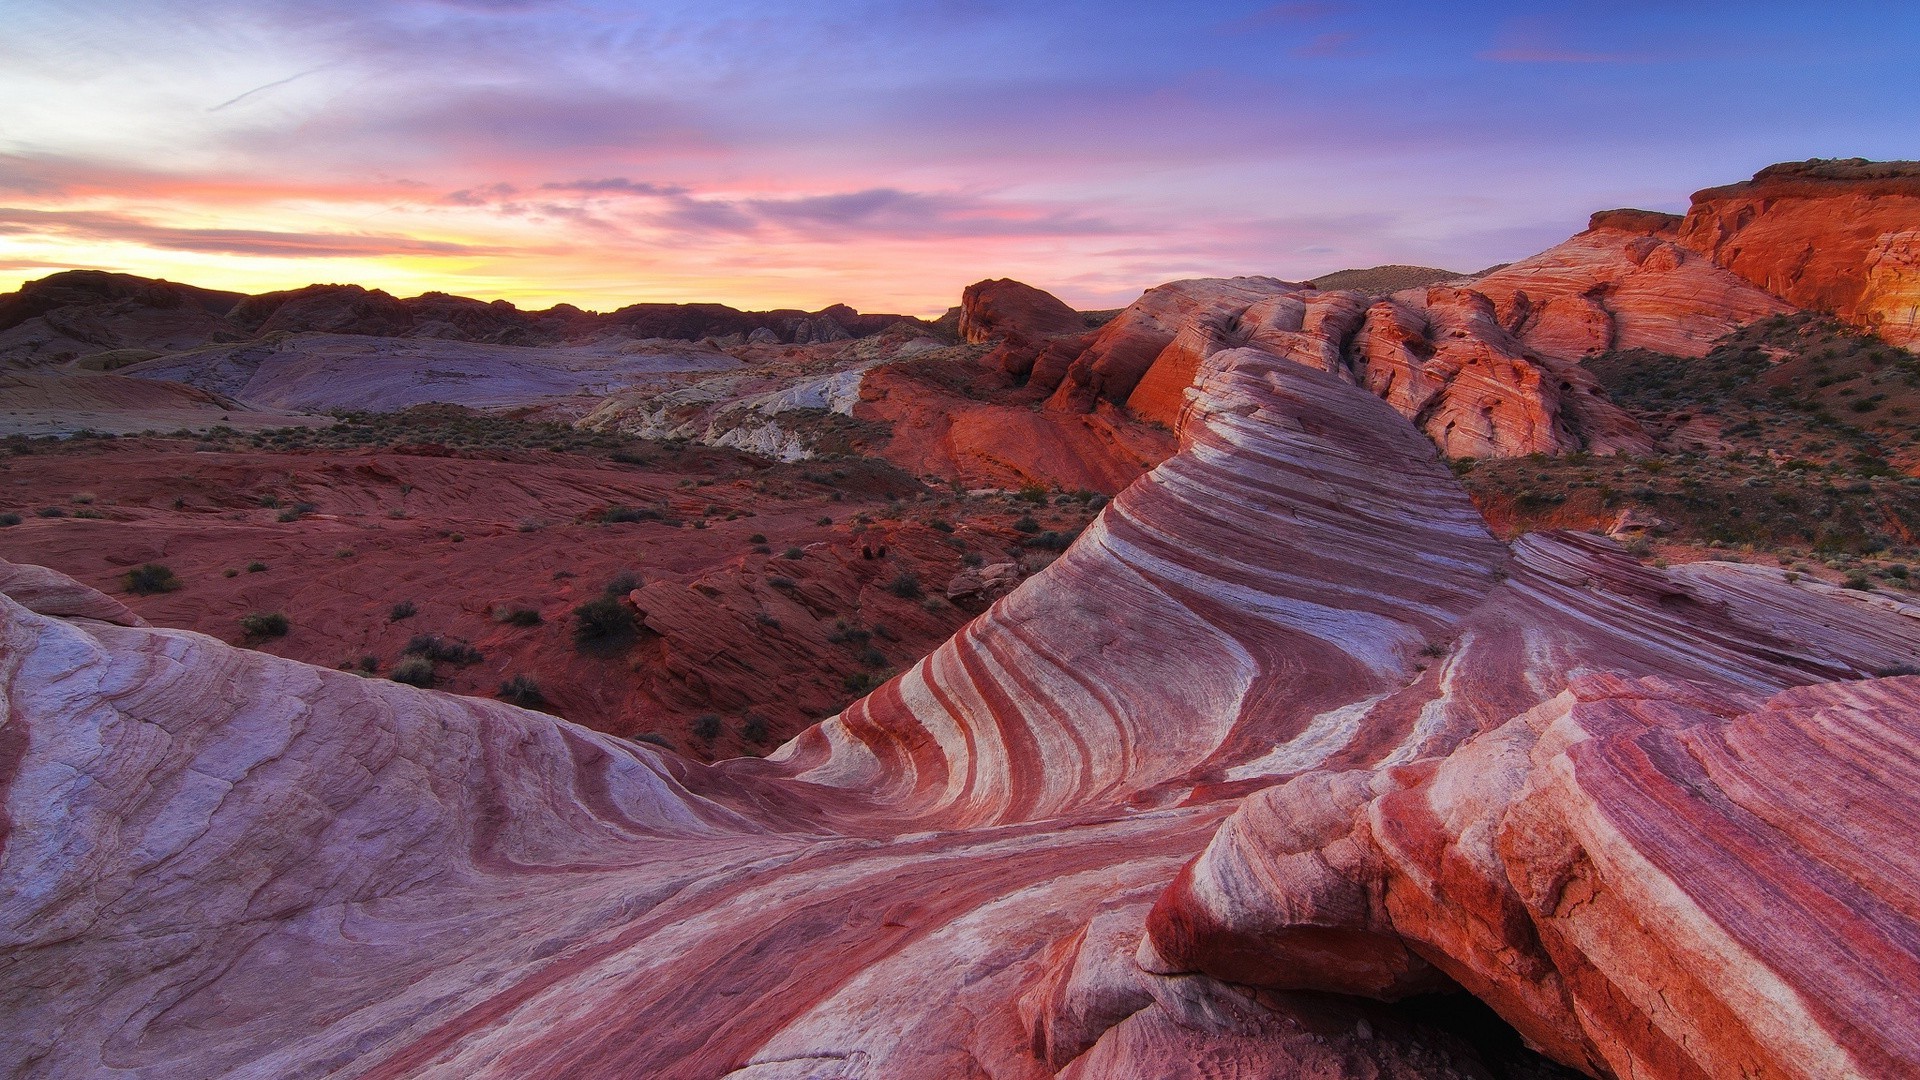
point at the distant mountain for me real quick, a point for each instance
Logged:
(82, 313)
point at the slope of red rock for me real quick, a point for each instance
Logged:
(1833, 236)
(1284, 736)
(1625, 283)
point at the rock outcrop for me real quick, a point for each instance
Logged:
(1004, 307)
(1625, 283)
(1441, 357)
(1833, 236)
(1284, 736)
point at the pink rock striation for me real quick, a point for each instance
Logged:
(1284, 736)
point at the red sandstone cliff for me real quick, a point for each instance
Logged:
(1833, 236)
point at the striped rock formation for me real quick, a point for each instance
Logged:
(1134, 821)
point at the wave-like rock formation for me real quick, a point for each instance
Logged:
(1833, 236)
(1571, 784)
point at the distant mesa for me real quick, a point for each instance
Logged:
(1385, 279)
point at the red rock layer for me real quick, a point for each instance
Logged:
(1832, 236)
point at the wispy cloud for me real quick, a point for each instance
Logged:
(124, 228)
(268, 86)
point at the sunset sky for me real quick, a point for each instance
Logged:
(887, 154)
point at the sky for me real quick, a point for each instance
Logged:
(886, 154)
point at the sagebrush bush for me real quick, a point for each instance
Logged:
(440, 649)
(906, 586)
(521, 690)
(414, 671)
(260, 625)
(149, 578)
(604, 622)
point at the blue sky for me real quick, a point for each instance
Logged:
(886, 155)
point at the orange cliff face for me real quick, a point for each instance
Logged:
(1835, 236)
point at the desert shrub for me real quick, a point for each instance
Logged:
(1026, 524)
(149, 578)
(260, 625)
(621, 584)
(414, 671)
(269, 502)
(521, 690)
(614, 515)
(941, 524)
(402, 610)
(757, 538)
(653, 738)
(873, 658)
(754, 728)
(906, 586)
(781, 582)
(859, 682)
(1857, 580)
(794, 553)
(706, 727)
(1051, 541)
(369, 663)
(824, 521)
(1033, 493)
(256, 567)
(440, 649)
(520, 616)
(9, 520)
(972, 558)
(50, 512)
(603, 623)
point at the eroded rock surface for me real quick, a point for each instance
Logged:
(1004, 307)
(1286, 720)
(1833, 236)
